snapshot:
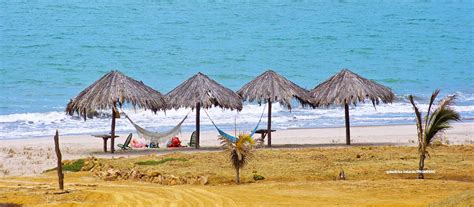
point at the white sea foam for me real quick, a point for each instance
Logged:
(41, 124)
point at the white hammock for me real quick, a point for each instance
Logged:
(157, 136)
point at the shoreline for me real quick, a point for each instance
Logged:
(37, 124)
(119, 132)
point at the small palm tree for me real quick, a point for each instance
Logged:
(239, 152)
(436, 121)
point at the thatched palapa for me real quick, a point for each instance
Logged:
(347, 88)
(201, 91)
(205, 91)
(115, 89)
(271, 87)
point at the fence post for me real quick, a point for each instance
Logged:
(60, 165)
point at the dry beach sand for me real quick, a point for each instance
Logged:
(301, 170)
(293, 177)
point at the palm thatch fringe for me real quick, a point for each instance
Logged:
(204, 91)
(114, 89)
(348, 87)
(270, 86)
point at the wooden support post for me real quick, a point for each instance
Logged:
(198, 127)
(348, 130)
(60, 165)
(105, 144)
(269, 124)
(112, 132)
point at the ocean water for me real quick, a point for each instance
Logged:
(50, 51)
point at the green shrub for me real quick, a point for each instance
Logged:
(157, 162)
(258, 177)
(74, 166)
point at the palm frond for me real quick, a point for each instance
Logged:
(226, 143)
(419, 125)
(245, 140)
(432, 99)
(447, 102)
(238, 160)
(239, 152)
(439, 120)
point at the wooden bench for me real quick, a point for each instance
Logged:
(263, 133)
(105, 137)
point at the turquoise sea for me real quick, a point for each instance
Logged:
(50, 51)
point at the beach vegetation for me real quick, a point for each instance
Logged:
(71, 166)
(258, 177)
(437, 120)
(74, 166)
(157, 162)
(239, 153)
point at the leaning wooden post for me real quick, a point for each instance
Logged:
(198, 127)
(112, 131)
(269, 124)
(348, 130)
(60, 165)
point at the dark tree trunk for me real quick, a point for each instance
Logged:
(60, 165)
(269, 124)
(237, 175)
(421, 166)
(348, 127)
(198, 127)
(112, 132)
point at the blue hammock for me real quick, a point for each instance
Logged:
(230, 137)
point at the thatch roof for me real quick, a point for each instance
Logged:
(349, 86)
(201, 89)
(115, 88)
(274, 87)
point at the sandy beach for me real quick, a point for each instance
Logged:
(291, 177)
(34, 155)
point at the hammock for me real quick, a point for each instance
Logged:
(233, 138)
(156, 136)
